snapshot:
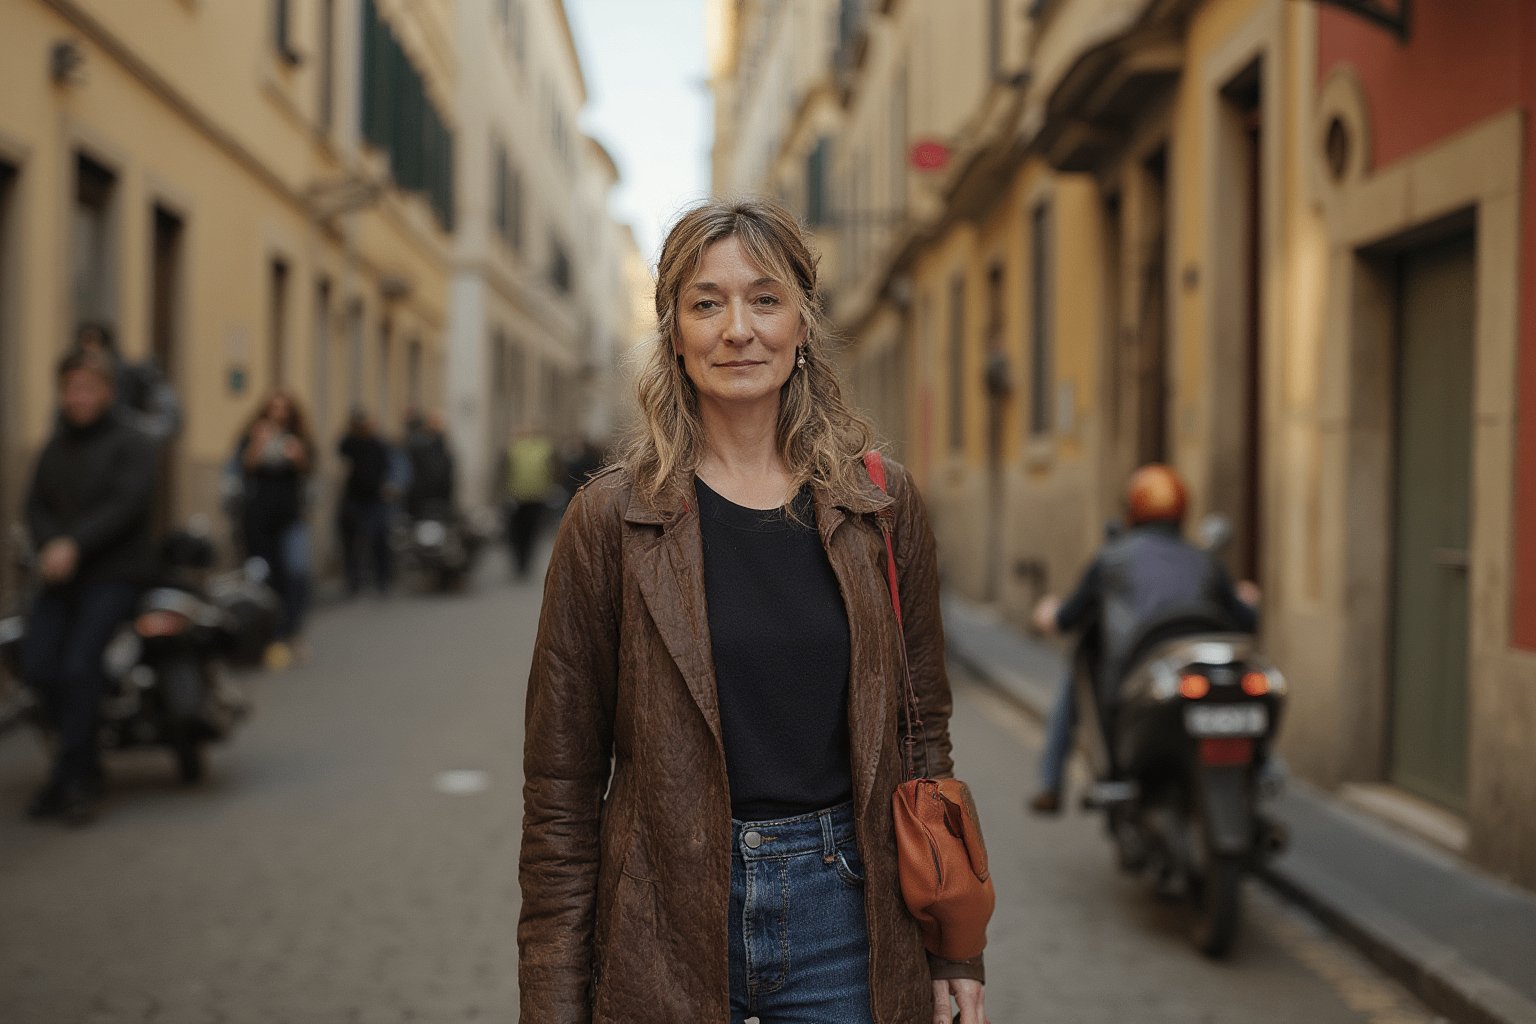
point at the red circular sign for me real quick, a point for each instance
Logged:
(928, 155)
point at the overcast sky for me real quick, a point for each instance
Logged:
(645, 64)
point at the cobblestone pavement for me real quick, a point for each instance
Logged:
(347, 862)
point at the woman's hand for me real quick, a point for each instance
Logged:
(967, 993)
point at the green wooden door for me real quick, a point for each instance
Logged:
(1433, 512)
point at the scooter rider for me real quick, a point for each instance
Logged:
(89, 515)
(1140, 574)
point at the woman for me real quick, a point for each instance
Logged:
(716, 626)
(275, 455)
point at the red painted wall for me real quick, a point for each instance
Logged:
(1465, 61)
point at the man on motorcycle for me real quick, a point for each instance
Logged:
(1140, 574)
(88, 512)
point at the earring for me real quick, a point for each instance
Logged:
(801, 361)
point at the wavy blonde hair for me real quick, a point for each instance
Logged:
(821, 439)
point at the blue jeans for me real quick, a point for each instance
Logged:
(1058, 737)
(67, 632)
(799, 942)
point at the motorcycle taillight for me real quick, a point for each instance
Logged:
(1223, 753)
(161, 623)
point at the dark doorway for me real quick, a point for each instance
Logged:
(997, 384)
(1243, 97)
(10, 468)
(165, 304)
(1152, 381)
(1432, 520)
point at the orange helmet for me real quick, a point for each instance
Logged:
(1155, 494)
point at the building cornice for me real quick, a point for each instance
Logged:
(225, 141)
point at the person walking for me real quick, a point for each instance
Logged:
(712, 716)
(88, 512)
(143, 397)
(432, 489)
(530, 478)
(363, 516)
(275, 455)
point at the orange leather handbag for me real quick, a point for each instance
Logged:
(940, 853)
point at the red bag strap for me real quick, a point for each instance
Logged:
(874, 463)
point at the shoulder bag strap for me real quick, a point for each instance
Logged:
(874, 463)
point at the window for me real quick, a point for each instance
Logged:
(957, 363)
(399, 118)
(326, 111)
(994, 38)
(817, 209)
(501, 188)
(277, 322)
(1040, 383)
(559, 266)
(282, 32)
(93, 266)
(519, 32)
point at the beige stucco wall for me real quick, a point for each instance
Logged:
(190, 107)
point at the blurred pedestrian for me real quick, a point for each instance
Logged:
(530, 477)
(276, 455)
(88, 513)
(363, 516)
(144, 398)
(431, 489)
(580, 460)
(717, 645)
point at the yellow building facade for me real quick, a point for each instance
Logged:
(235, 189)
(1149, 243)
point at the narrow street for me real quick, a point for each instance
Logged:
(353, 857)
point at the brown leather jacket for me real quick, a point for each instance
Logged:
(626, 853)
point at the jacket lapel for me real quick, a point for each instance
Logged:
(871, 701)
(669, 565)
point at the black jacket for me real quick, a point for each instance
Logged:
(1145, 573)
(96, 485)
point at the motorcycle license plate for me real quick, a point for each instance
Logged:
(1227, 720)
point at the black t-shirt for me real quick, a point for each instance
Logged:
(780, 638)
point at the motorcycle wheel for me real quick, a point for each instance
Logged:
(184, 687)
(1218, 899)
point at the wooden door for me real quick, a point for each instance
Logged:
(1433, 515)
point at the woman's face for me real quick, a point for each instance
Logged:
(737, 329)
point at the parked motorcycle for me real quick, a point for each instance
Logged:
(441, 546)
(165, 667)
(1183, 760)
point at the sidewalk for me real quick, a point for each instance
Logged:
(1463, 943)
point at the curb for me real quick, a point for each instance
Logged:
(1431, 970)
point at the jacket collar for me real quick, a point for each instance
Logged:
(641, 511)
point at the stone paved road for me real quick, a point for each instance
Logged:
(322, 876)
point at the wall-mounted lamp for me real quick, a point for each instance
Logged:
(65, 59)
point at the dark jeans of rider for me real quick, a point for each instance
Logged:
(522, 528)
(364, 539)
(69, 629)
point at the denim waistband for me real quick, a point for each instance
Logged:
(820, 832)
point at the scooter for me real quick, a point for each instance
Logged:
(165, 667)
(1183, 761)
(441, 546)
